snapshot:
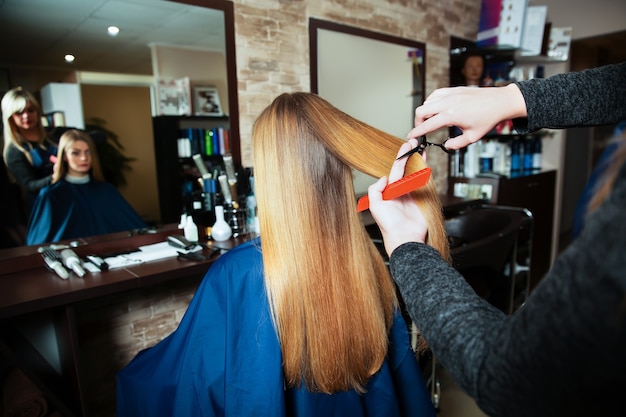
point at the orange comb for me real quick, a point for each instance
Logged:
(398, 188)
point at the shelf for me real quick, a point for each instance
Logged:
(537, 59)
(512, 136)
(183, 118)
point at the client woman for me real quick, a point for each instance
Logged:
(303, 321)
(79, 202)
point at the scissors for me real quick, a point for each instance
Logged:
(422, 143)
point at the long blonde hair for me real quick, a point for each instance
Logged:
(15, 101)
(331, 295)
(67, 139)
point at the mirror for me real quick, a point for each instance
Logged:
(116, 74)
(373, 77)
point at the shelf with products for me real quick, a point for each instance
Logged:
(499, 154)
(182, 188)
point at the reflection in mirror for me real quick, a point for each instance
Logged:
(116, 74)
(376, 78)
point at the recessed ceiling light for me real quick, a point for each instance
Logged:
(113, 30)
(69, 58)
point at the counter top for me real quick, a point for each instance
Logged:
(26, 285)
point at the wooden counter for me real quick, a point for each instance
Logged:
(27, 287)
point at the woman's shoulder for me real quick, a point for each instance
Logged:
(249, 251)
(242, 260)
(13, 152)
(55, 189)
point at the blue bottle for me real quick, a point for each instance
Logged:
(516, 156)
(528, 153)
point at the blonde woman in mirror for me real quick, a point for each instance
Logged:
(304, 320)
(79, 202)
(28, 151)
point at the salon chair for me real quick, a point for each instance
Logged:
(491, 246)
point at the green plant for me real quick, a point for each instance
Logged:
(114, 163)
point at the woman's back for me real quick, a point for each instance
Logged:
(225, 359)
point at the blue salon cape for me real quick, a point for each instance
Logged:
(65, 210)
(224, 359)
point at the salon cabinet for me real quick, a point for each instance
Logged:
(172, 170)
(533, 191)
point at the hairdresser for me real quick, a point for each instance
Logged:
(28, 152)
(563, 352)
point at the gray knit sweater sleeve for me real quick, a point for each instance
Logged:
(585, 98)
(562, 354)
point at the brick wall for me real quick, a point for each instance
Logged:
(272, 58)
(112, 330)
(273, 54)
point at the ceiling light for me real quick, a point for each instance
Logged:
(69, 58)
(113, 30)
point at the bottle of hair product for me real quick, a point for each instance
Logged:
(191, 230)
(487, 154)
(528, 154)
(470, 161)
(537, 153)
(221, 230)
(516, 156)
(251, 210)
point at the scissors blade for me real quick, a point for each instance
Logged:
(411, 152)
(421, 144)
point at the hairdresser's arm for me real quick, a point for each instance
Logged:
(529, 363)
(438, 298)
(23, 171)
(574, 99)
(585, 98)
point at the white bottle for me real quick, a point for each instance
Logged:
(470, 162)
(191, 230)
(251, 214)
(220, 230)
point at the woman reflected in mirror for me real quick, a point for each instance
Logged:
(79, 202)
(28, 151)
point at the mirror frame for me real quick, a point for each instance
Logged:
(227, 7)
(315, 24)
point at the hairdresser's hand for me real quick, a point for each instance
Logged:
(55, 168)
(400, 220)
(474, 110)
